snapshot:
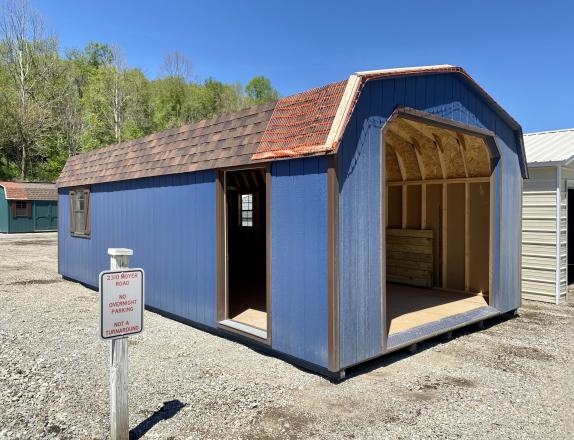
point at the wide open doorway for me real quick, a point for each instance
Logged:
(438, 223)
(245, 226)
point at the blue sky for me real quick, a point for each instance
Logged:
(521, 52)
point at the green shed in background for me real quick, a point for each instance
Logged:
(28, 207)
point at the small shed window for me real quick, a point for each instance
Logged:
(22, 209)
(246, 210)
(80, 212)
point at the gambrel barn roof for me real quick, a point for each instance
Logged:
(30, 191)
(308, 123)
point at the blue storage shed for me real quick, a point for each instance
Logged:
(330, 227)
(28, 207)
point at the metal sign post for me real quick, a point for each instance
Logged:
(121, 314)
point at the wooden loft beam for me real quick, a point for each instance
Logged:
(442, 181)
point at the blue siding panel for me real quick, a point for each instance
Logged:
(299, 259)
(445, 95)
(169, 222)
(360, 235)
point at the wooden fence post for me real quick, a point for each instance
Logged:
(119, 420)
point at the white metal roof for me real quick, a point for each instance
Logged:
(545, 148)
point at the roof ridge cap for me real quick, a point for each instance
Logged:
(407, 69)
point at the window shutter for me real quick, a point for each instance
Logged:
(87, 215)
(72, 213)
(29, 209)
(13, 209)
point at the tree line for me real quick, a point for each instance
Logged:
(55, 105)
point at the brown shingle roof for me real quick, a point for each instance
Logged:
(30, 191)
(226, 140)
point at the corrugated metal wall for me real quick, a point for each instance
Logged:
(299, 259)
(443, 95)
(169, 222)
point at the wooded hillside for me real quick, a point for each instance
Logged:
(54, 104)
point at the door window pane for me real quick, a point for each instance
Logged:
(246, 210)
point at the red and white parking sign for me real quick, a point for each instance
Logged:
(121, 303)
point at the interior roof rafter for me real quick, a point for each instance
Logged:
(416, 129)
(440, 152)
(401, 163)
(462, 148)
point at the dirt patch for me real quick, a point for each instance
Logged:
(460, 382)
(280, 423)
(54, 429)
(428, 385)
(32, 242)
(27, 282)
(531, 353)
(534, 318)
(543, 319)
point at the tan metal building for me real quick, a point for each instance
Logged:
(548, 196)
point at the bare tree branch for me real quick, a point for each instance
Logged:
(177, 65)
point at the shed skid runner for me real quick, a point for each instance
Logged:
(328, 228)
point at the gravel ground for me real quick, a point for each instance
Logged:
(512, 380)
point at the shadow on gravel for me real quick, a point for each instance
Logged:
(388, 359)
(167, 411)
